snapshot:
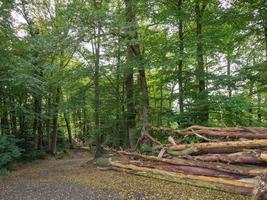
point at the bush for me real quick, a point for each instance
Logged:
(32, 155)
(9, 151)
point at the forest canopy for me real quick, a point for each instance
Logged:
(103, 72)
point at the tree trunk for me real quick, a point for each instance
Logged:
(118, 139)
(55, 121)
(144, 89)
(22, 120)
(37, 98)
(185, 169)
(67, 121)
(248, 157)
(265, 36)
(249, 133)
(259, 108)
(129, 84)
(229, 76)
(219, 146)
(96, 49)
(200, 71)
(259, 192)
(135, 57)
(4, 118)
(231, 169)
(13, 117)
(161, 105)
(48, 122)
(221, 184)
(180, 61)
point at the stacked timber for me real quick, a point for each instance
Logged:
(228, 159)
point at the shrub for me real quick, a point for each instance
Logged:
(9, 151)
(32, 155)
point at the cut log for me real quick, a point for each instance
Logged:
(249, 133)
(232, 169)
(185, 169)
(260, 187)
(221, 184)
(205, 147)
(246, 157)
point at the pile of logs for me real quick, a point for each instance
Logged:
(228, 159)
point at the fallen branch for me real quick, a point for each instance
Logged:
(146, 136)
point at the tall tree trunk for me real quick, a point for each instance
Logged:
(200, 71)
(22, 121)
(67, 121)
(229, 76)
(265, 35)
(134, 57)
(144, 89)
(55, 120)
(85, 122)
(96, 52)
(259, 108)
(160, 105)
(129, 85)
(250, 110)
(37, 98)
(48, 122)
(4, 118)
(124, 124)
(37, 122)
(97, 103)
(180, 61)
(118, 140)
(13, 117)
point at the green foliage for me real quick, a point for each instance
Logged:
(191, 139)
(55, 53)
(9, 151)
(33, 155)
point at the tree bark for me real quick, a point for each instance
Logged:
(48, 122)
(259, 108)
(67, 121)
(13, 117)
(259, 192)
(200, 71)
(96, 49)
(245, 157)
(231, 169)
(161, 105)
(5, 129)
(229, 76)
(136, 58)
(185, 169)
(130, 116)
(55, 120)
(249, 133)
(219, 146)
(37, 98)
(221, 184)
(180, 61)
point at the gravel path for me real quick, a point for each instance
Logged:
(68, 179)
(45, 181)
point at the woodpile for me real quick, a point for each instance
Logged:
(228, 159)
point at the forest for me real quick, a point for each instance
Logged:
(112, 74)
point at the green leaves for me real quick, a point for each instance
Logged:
(9, 151)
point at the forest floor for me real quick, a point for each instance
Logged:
(71, 178)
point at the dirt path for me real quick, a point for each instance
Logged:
(67, 179)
